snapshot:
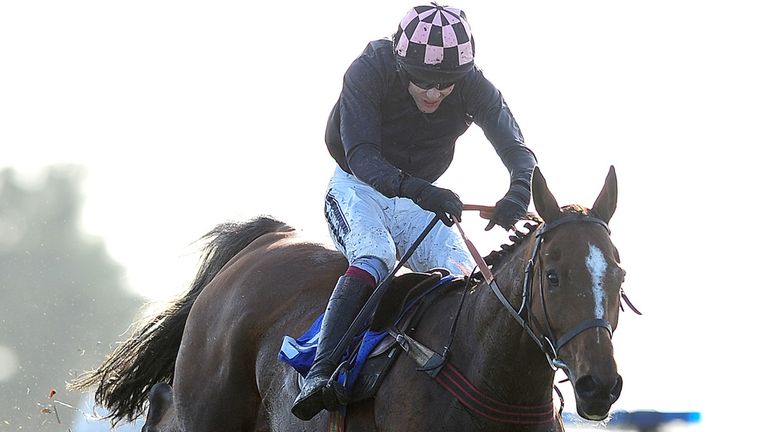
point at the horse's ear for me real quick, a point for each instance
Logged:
(545, 203)
(605, 204)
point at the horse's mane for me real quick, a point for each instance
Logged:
(518, 236)
(124, 379)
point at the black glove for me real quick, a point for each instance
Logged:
(511, 208)
(441, 201)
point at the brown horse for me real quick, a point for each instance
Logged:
(554, 303)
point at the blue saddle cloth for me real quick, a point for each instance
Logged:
(299, 353)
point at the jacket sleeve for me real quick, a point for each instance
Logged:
(488, 109)
(360, 110)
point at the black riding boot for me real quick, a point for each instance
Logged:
(345, 303)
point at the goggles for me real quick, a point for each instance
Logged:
(425, 85)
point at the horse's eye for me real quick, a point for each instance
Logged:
(552, 278)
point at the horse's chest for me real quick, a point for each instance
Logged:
(418, 403)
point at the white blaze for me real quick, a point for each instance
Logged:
(597, 265)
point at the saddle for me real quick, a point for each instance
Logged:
(408, 296)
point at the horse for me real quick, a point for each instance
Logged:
(209, 361)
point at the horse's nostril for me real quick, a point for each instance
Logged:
(617, 386)
(588, 387)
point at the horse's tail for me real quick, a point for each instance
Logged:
(148, 357)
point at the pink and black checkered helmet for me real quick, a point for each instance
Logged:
(434, 44)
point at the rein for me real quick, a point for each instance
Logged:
(491, 281)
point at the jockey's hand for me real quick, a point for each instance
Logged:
(511, 208)
(442, 202)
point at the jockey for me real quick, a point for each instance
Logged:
(392, 132)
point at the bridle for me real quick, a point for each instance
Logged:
(549, 344)
(433, 363)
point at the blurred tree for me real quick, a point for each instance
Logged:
(63, 300)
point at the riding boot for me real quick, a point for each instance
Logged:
(345, 303)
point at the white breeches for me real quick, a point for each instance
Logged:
(365, 224)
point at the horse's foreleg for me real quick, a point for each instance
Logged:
(223, 400)
(161, 415)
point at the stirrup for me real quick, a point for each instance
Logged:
(335, 394)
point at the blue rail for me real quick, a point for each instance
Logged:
(644, 421)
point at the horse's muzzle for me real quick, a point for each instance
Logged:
(594, 398)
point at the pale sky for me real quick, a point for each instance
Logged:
(190, 114)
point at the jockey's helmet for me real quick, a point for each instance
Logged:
(434, 43)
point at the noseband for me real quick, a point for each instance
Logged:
(549, 344)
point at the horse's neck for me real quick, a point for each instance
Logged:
(493, 350)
